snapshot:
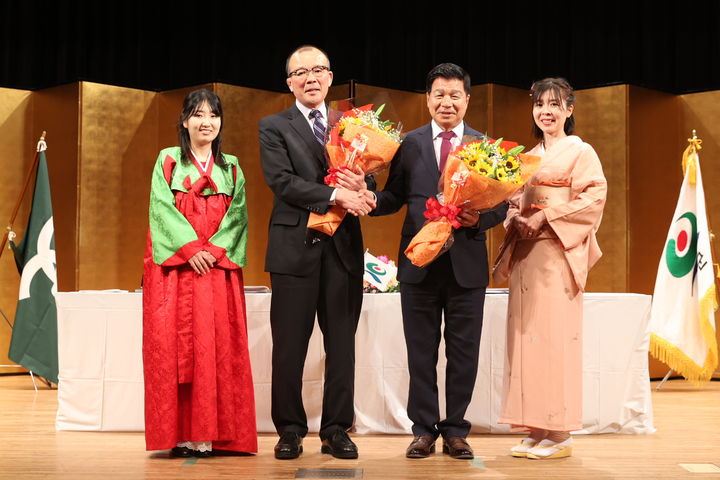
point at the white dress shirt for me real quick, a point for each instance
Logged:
(306, 113)
(437, 140)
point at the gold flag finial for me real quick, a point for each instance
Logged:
(689, 156)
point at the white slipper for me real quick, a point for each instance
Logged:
(521, 449)
(549, 449)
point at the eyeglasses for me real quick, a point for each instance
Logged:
(317, 71)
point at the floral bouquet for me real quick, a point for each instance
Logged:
(478, 175)
(393, 285)
(359, 139)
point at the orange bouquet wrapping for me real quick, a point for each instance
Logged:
(360, 139)
(478, 176)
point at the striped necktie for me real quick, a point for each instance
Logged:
(318, 127)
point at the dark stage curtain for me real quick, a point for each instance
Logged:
(166, 45)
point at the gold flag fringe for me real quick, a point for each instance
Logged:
(671, 355)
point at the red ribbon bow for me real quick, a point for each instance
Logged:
(331, 178)
(195, 191)
(436, 209)
(203, 182)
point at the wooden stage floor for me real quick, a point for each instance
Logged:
(687, 422)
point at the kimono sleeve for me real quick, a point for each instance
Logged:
(174, 240)
(513, 210)
(574, 221)
(233, 231)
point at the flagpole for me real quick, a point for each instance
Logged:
(41, 147)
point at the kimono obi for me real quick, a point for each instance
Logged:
(543, 196)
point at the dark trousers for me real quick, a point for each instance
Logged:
(422, 308)
(336, 296)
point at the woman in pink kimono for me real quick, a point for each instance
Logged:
(547, 252)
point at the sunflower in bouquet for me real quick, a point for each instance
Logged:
(359, 140)
(478, 175)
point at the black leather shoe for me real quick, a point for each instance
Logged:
(339, 445)
(199, 454)
(457, 447)
(182, 452)
(289, 446)
(421, 447)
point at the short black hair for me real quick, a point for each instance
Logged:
(304, 48)
(560, 91)
(448, 71)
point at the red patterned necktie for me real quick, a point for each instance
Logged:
(445, 148)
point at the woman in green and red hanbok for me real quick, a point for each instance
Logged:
(198, 382)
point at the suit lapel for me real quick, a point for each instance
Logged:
(302, 127)
(427, 151)
(472, 133)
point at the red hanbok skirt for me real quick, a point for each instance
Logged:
(198, 381)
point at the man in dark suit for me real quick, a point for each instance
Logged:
(310, 276)
(454, 283)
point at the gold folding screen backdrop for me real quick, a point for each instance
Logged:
(103, 142)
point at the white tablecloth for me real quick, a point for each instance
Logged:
(101, 379)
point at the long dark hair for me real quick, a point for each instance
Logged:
(191, 105)
(560, 90)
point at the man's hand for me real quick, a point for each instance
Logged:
(202, 262)
(369, 198)
(352, 180)
(356, 203)
(468, 218)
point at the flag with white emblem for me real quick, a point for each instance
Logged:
(682, 322)
(377, 272)
(34, 339)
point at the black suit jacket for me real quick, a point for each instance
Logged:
(295, 166)
(413, 178)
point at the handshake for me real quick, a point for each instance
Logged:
(352, 194)
(358, 203)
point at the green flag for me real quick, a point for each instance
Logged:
(34, 339)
